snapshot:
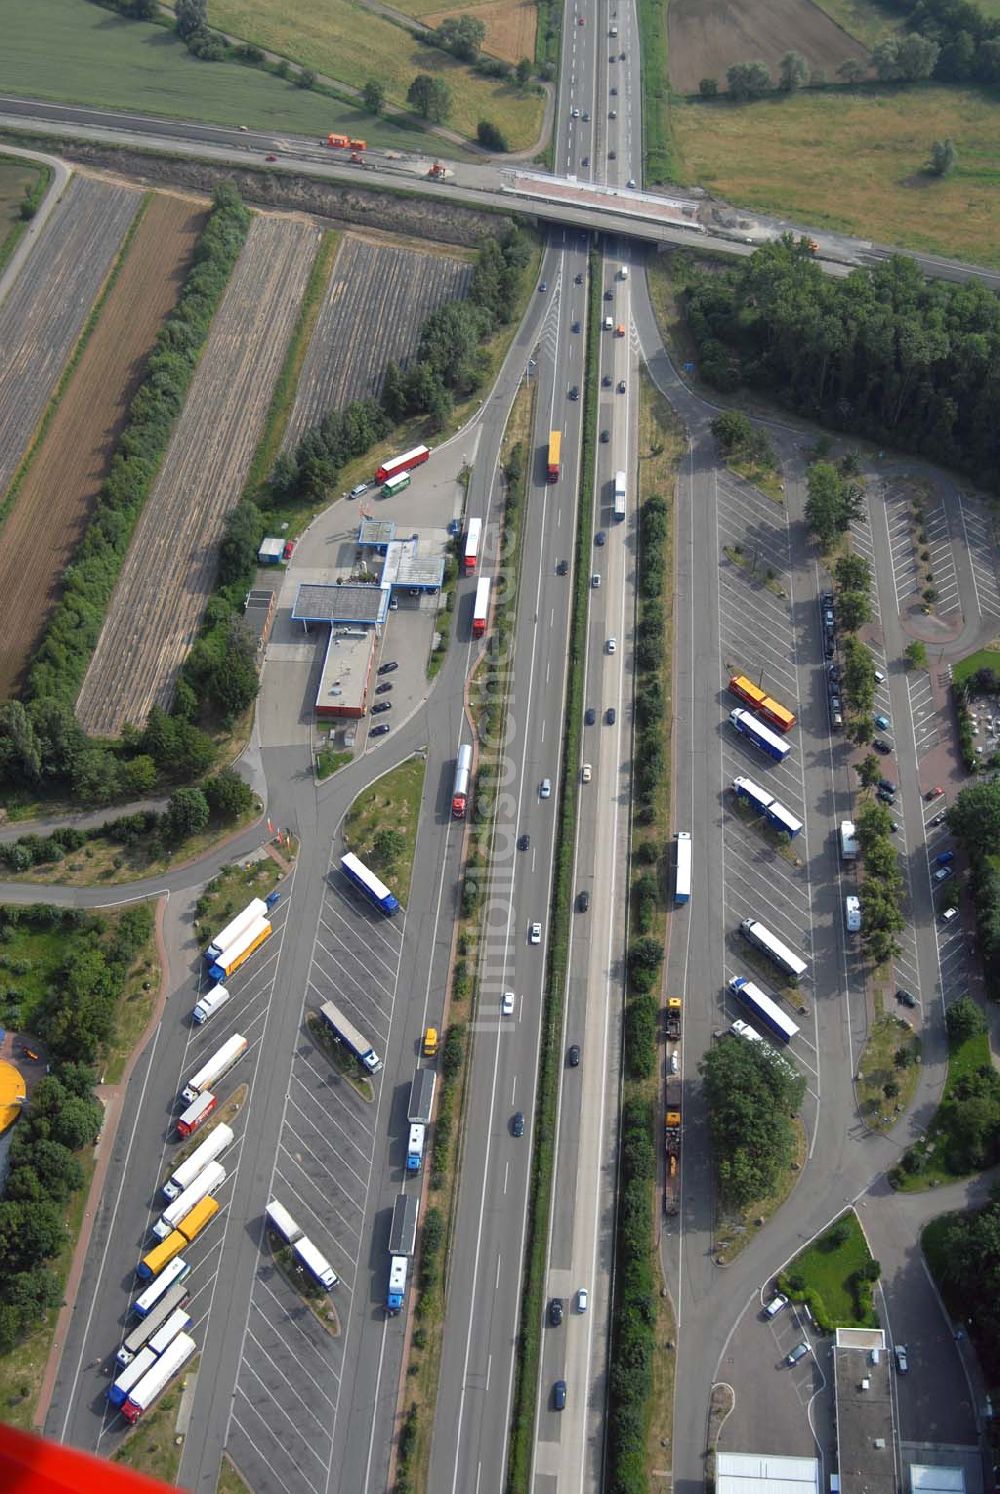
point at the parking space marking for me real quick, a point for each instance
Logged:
(980, 542)
(924, 713)
(942, 560)
(280, 1445)
(301, 1399)
(282, 1307)
(902, 550)
(270, 1466)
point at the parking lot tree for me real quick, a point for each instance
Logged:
(373, 96)
(387, 845)
(964, 1019)
(853, 572)
(974, 818)
(824, 507)
(430, 98)
(859, 674)
(793, 72)
(732, 429)
(869, 770)
(915, 655)
(872, 822)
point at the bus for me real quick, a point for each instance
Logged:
(682, 881)
(481, 611)
(147, 1326)
(377, 892)
(782, 956)
(759, 700)
(403, 463)
(763, 1008)
(154, 1294)
(555, 452)
(396, 484)
(470, 554)
(619, 496)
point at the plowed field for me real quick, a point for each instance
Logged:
(375, 305)
(55, 501)
(708, 36)
(170, 568)
(44, 311)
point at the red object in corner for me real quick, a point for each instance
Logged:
(30, 1465)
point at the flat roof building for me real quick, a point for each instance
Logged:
(361, 603)
(866, 1432)
(346, 673)
(376, 534)
(406, 569)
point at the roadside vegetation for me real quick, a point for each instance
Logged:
(963, 1252)
(748, 452)
(974, 820)
(964, 1134)
(794, 331)
(888, 1070)
(65, 975)
(836, 1277)
(976, 681)
(23, 185)
(659, 163)
(232, 888)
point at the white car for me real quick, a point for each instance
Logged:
(582, 1300)
(534, 933)
(545, 789)
(852, 914)
(775, 1305)
(587, 773)
(611, 645)
(507, 1004)
(675, 1062)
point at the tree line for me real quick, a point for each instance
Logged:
(75, 1020)
(752, 1095)
(974, 820)
(884, 352)
(965, 1259)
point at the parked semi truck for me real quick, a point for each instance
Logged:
(238, 953)
(174, 1297)
(419, 1116)
(154, 1383)
(346, 1033)
(235, 929)
(672, 1134)
(213, 1146)
(315, 1262)
(209, 1180)
(196, 1114)
(760, 735)
(221, 1061)
(673, 1018)
(402, 1245)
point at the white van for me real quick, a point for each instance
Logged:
(852, 914)
(210, 1003)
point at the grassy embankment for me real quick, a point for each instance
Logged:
(883, 1064)
(232, 888)
(825, 1275)
(781, 156)
(965, 1057)
(983, 658)
(23, 185)
(352, 44)
(79, 53)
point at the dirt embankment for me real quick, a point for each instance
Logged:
(433, 218)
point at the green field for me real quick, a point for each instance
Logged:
(15, 178)
(983, 658)
(78, 53)
(344, 41)
(854, 162)
(825, 1269)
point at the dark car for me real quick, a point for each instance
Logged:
(606, 382)
(938, 819)
(885, 796)
(887, 784)
(523, 842)
(621, 56)
(573, 1056)
(584, 160)
(556, 1311)
(907, 998)
(605, 437)
(590, 716)
(894, 826)
(574, 393)
(826, 599)
(614, 92)
(612, 155)
(544, 285)
(609, 295)
(559, 1396)
(576, 326)
(600, 537)
(381, 706)
(381, 730)
(611, 715)
(517, 1123)
(881, 745)
(579, 279)
(828, 647)
(562, 568)
(621, 386)
(384, 688)
(582, 901)
(388, 668)
(834, 672)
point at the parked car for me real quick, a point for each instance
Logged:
(905, 998)
(381, 706)
(289, 550)
(934, 793)
(902, 1362)
(381, 730)
(885, 797)
(939, 819)
(775, 1305)
(949, 915)
(882, 722)
(943, 873)
(388, 667)
(362, 487)
(799, 1352)
(881, 745)
(887, 784)
(944, 859)
(384, 688)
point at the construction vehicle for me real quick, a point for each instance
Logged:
(673, 1145)
(673, 1018)
(338, 142)
(437, 170)
(357, 158)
